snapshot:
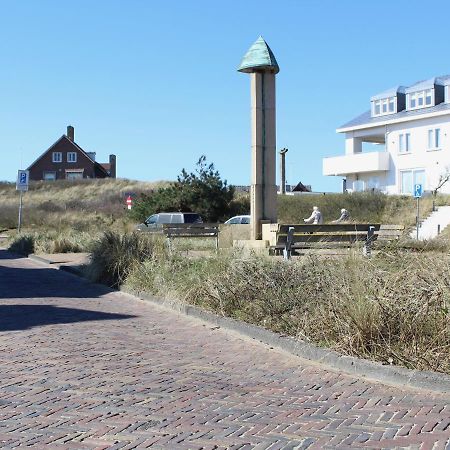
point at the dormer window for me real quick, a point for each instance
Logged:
(391, 101)
(384, 106)
(421, 99)
(425, 94)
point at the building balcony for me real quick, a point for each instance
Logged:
(356, 163)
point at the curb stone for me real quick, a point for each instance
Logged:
(65, 268)
(393, 375)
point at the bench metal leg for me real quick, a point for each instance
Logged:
(367, 249)
(287, 251)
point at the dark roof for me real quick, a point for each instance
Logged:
(366, 119)
(300, 188)
(389, 93)
(426, 84)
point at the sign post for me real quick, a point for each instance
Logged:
(418, 191)
(129, 202)
(23, 177)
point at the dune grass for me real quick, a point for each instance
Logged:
(392, 308)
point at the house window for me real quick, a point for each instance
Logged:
(49, 176)
(391, 105)
(72, 157)
(428, 97)
(434, 139)
(74, 175)
(408, 178)
(57, 157)
(404, 143)
(358, 186)
(384, 106)
(406, 182)
(420, 99)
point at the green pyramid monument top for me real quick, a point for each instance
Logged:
(259, 57)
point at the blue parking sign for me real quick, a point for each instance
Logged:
(418, 190)
(22, 180)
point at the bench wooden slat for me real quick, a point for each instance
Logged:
(347, 238)
(329, 227)
(189, 225)
(392, 227)
(339, 235)
(193, 232)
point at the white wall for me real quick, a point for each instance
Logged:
(434, 162)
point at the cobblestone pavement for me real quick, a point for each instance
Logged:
(82, 368)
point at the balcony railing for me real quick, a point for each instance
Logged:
(356, 163)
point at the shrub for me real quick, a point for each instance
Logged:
(201, 191)
(22, 245)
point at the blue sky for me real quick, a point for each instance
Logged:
(155, 82)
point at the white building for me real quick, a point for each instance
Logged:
(411, 126)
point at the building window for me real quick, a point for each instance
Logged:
(404, 143)
(408, 178)
(72, 157)
(57, 157)
(74, 175)
(384, 106)
(358, 186)
(420, 99)
(391, 105)
(428, 97)
(434, 139)
(49, 176)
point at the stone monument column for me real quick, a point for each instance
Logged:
(262, 66)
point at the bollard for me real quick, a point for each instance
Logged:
(439, 229)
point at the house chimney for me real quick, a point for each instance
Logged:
(71, 133)
(112, 166)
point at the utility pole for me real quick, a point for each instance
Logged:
(283, 152)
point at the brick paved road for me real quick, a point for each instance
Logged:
(82, 368)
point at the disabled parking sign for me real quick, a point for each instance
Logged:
(418, 190)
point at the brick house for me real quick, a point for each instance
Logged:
(66, 160)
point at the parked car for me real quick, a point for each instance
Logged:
(155, 220)
(238, 219)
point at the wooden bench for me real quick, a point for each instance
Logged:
(191, 230)
(390, 233)
(292, 237)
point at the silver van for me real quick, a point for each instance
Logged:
(155, 220)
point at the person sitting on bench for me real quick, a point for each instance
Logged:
(344, 216)
(315, 218)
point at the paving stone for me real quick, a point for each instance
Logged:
(82, 367)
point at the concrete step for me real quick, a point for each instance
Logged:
(433, 224)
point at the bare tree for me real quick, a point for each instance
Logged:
(443, 178)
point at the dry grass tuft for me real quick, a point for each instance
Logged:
(114, 255)
(393, 308)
